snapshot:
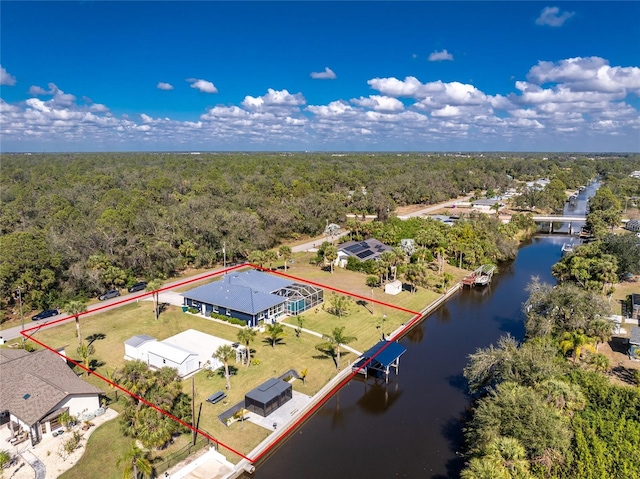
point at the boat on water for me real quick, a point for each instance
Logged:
(582, 188)
(567, 248)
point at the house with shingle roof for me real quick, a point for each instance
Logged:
(38, 387)
(253, 296)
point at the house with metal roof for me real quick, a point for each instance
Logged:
(634, 343)
(362, 250)
(268, 397)
(253, 296)
(37, 388)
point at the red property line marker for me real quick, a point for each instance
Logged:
(417, 316)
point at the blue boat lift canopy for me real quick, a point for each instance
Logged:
(380, 359)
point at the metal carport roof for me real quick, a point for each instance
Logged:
(385, 353)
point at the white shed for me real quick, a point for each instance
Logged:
(163, 354)
(137, 347)
(395, 287)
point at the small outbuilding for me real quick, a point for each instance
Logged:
(268, 397)
(137, 347)
(395, 287)
(163, 354)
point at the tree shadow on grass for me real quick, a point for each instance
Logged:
(276, 342)
(95, 337)
(220, 372)
(95, 364)
(327, 353)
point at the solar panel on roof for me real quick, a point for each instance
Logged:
(356, 248)
(365, 254)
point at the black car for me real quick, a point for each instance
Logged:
(138, 287)
(47, 313)
(112, 293)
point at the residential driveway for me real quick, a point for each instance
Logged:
(170, 297)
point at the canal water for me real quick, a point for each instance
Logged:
(412, 426)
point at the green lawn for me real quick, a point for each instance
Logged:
(103, 449)
(115, 326)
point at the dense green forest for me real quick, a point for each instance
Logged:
(74, 224)
(547, 408)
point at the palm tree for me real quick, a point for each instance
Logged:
(274, 333)
(601, 330)
(114, 379)
(154, 285)
(270, 256)
(330, 255)
(136, 463)
(510, 454)
(335, 339)
(576, 341)
(484, 468)
(86, 351)
(245, 336)
(136, 378)
(75, 308)
(285, 254)
(223, 353)
(256, 257)
(440, 252)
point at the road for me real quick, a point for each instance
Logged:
(10, 334)
(314, 243)
(432, 208)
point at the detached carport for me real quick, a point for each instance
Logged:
(268, 397)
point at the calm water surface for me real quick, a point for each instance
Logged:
(412, 426)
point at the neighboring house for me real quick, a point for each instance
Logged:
(37, 388)
(486, 204)
(159, 354)
(635, 306)
(254, 296)
(362, 250)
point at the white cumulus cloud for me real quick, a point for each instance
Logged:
(274, 98)
(440, 56)
(6, 78)
(168, 86)
(327, 74)
(379, 103)
(551, 16)
(203, 85)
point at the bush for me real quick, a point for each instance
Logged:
(228, 319)
(287, 378)
(193, 310)
(255, 362)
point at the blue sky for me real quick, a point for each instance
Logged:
(319, 76)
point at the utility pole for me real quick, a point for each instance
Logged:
(224, 254)
(21, 313)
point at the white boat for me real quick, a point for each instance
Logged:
(567, 248)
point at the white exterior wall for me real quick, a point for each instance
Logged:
(140, 352)
(188, 366)
(79, 404)
(394, 287)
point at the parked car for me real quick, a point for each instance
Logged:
(139, 286)
(47, 313)
(112, 293)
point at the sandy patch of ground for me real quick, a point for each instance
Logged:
(621, 366)
(48, 452)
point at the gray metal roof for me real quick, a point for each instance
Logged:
(254, 279)
(136, 341)
(635, 335)
(268, 390)
(228, 294)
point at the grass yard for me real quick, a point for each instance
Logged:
(103, 449)
(120, 324)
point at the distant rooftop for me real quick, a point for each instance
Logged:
(364, 250)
